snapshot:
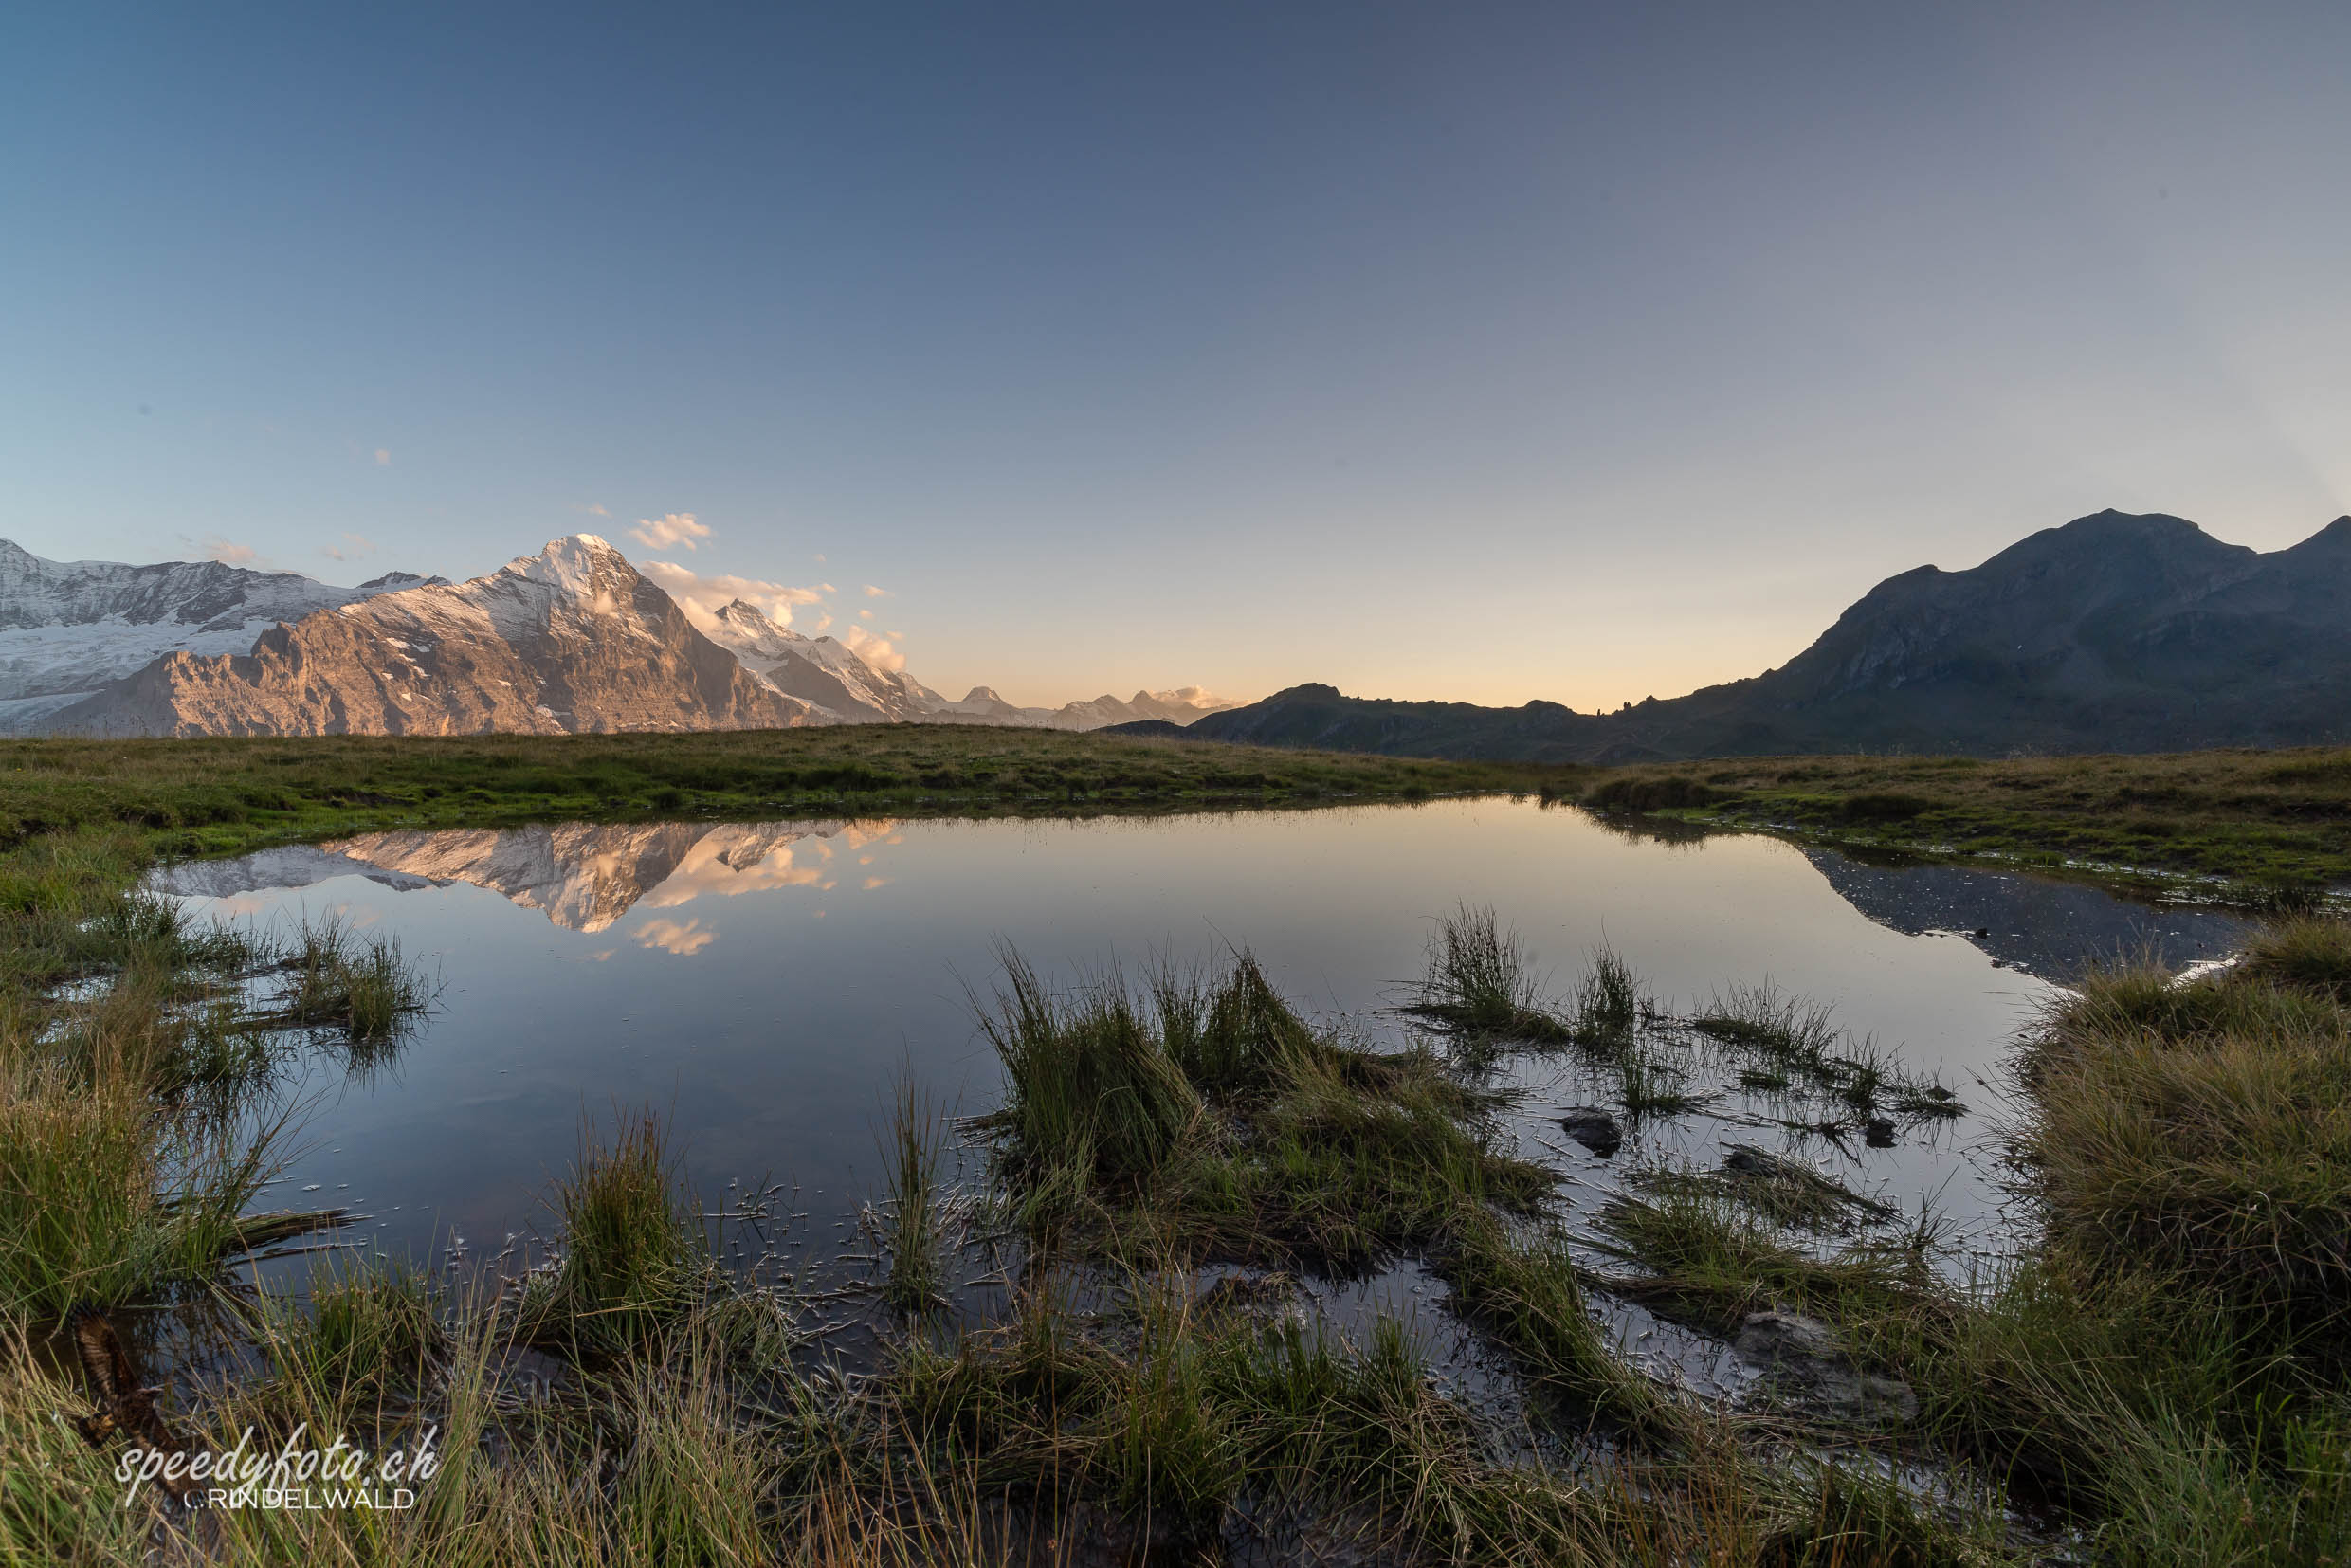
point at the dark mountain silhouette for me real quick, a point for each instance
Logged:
(2115, 632)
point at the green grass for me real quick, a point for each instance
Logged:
(337, 978)
(635, 1259)
(1785, 1045)
(367, 1330)
(1287, 1147)
(1237, 1037)
(913, 1153)
(1610, 1001)
(1089, 1085)
(1778, 1190)
(1326, 1159)
(2162, 1364)
(106, 1199)
(1762, 1021)
(1479, 982)
(1648, 1086)
(2274, 825)
(2309, 957)
(1705, 1259)
(217, 796)
(2202, 1134)
(1526, 1296)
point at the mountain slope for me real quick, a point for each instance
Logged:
(70, 627)
(571, 639)
(822, 670)
(829, 673)
(2114, 632)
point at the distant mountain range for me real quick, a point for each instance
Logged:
(2114, 632)
(572, 639)
(584, 875)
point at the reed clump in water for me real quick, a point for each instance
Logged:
(913, 1218)
(335, 977)
(121, 1171)
(1089, 1084)
(1610, 1002)
(635, 1258)
(368, 1331)
(1479, 982)
(1325, 1155)
(1787, 1045)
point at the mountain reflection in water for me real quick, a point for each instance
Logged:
(760, 984)
(586, 876)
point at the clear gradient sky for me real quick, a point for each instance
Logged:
(1474, 351)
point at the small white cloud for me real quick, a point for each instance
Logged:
(672, 531)
(595, 509)
(383, 456)
(820, 560)
(228, 553)
(873, 593)
(682, 938)
(703, 597)
(824, 623)
(865, 614)
(353, 547)
(878, 651)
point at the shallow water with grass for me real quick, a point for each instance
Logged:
(785, 995)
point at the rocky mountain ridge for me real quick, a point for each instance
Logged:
(585, 876)
(70, 627)
(574, 638)
(827, 672)
(2114, 632)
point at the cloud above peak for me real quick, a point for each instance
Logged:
(702, 596)
(228, 553)
(876, 650)
(672, 531)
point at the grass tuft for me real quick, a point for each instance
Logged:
(370, 1330)
(634, 1259)
(1479, 982)
(1609, 1000)
(337, 978)
(913, 1152)
(1089, 1083)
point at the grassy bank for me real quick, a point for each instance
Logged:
(213, 795)
(1182, 1162)
(2278, 823)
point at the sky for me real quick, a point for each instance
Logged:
(1468, 351)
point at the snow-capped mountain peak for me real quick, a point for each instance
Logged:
(70, 627)
(572, 638)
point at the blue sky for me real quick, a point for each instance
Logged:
(1485, 352)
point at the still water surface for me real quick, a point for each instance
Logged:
(761, 983)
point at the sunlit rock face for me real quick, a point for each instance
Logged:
(572, 639)
(586, 876)
(68, 628)
(822, 671)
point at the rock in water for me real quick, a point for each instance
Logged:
(1594, 1129)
